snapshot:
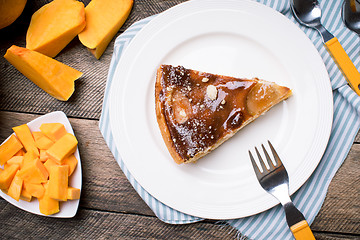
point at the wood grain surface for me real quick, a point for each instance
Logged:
(110, 208)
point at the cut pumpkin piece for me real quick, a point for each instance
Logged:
(54, 25)
(43, 156)
(34, 189)
(54, 77)
(73, 193)
(62, 148)
(44, 143)
(71, 161)
(34, 172)
(26, 138)
(49, 163)
(7, 175)
(48, 205)
(104, 18)
(28, 159)
(58, 182)
(54, 131)
(25, 195)
(16, 186)
(16, 160)
(9, 149)
(21, 152)
(37, 135)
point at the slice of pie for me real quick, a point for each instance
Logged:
(198, 111)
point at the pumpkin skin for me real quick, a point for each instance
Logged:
(10, 10)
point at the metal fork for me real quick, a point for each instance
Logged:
(275, 181)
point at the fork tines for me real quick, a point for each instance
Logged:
(278, 162)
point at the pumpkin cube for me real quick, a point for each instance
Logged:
(7, 176)
(25, 195)
(29, 157)
(54, 131)
(16, 160)
(58, 182)
(35, 189)
(73, 193)
(21, 152)
(54, 25)
(43, 156)
(9, 149)
(71, 161)
(15, 188)
(24, 134)
(44, 143)
(62, 148)
(54, 77)
(37, 135)
(48, 205)
(34, 172)
(49, 163)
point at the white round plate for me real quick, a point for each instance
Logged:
(69, 208)
(239, 39)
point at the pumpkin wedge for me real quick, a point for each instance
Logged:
(9, 148)
(26, 138)
(58, 182)
(54, 77)
(25, 195)
(62, 148)
(48, 205)
(54, 131)
(104, 18)
(7, 175)
(16, 186)
(54, 25)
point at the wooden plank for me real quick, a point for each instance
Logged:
(21, 95)
(341, 211)
(333, 236)
(90, 224)
(357, 138)
(106, 188)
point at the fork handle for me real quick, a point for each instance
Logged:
(301, 230)
(297, 223)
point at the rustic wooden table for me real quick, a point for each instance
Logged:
(109, 206)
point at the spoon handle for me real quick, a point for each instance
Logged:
(345, 64)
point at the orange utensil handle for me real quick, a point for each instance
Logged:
(345, 64)
(302, 231)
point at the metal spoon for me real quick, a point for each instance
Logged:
(350, 16)
(308, 13)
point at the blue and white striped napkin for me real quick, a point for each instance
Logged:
(271, 224)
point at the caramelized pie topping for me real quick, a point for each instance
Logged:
(201, 108)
